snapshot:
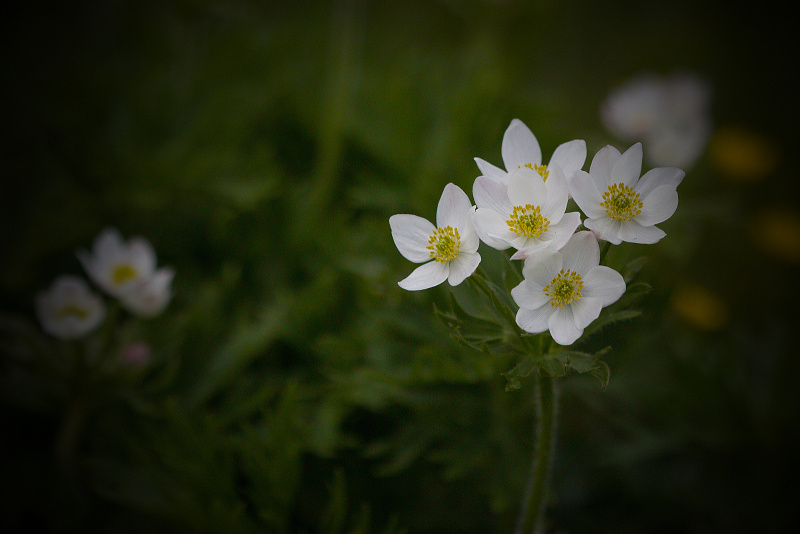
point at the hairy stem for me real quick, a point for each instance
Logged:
(532, 513)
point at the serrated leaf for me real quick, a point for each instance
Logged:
(522, 370)
(633, 267)
(610, 318)
(602, 372)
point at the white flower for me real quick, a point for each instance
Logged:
(527, 215)
(149, 297)
(521, 149)
(452, 244)
(564, 291)
(128, 271)
(669, 114)
(69, 309)
(619, 205)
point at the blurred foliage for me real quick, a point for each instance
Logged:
(261, 147)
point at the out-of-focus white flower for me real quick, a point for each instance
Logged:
(149, 297)
(527, 215)
(520, 148)
(69, 309)
(564, 291)
(620, 205)
(452, 244)
(128, 271)
(670, 115)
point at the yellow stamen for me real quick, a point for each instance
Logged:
(527, 220)
(123, 273)
(564, 289)
(71, 309)
(445, 244)
(622, 202)
(541, 169)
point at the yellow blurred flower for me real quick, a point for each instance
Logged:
(777, 231)
(741, 155)
(700, 307)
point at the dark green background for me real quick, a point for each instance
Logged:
(261, 148)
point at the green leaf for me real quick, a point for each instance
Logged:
(633, 267)
(602, 372)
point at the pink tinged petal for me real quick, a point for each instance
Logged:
(658, 206)
(558, 234)
(633, 232)
(520, 255)
(581, 252)
(520, 146)
(555, 203)
(411, 235)
(454, 207)
(534, 321)
(525, 186)
(469, 238)
(628, 167)
(426, 276)
(529, 295)
(601, 166)
(586, 195)
(543, 267)
(562, 326)
(585, 310)
(606, 228)
(490, 171)
(603, 283)
(488, 224)
(659, 177)
(569, 156)
(491, 195)
(463, 266)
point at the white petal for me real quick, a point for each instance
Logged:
(525, 186)
(425, 276)
(658, 206)
(463, 266)
(570, 156)
(658, 177)
(562, 326)
(558, 234)
(520, 146)
(488, 224)
(454, 207)
(142, 256)
(603, 283)
(628, 167)
(581, 252)
(529, 295)
(542, 268)
(555, 203)
(491, 195)
(469, 238)
(411, 235)
(633, 232)
(601, 166)
(586, 195)
(534, 321)
(606, 228)
(490, 171)
(585, 310)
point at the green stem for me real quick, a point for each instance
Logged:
(604, 250)
(532, 513)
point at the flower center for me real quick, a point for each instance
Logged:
(621, 202)
(541, 169)
(564, 288)
(444, 244)
(123, 273)
(72, 310)
(527, 220)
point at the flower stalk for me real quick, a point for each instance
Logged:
(532, 511)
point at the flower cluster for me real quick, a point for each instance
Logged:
(69, 309)
(524, 207)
